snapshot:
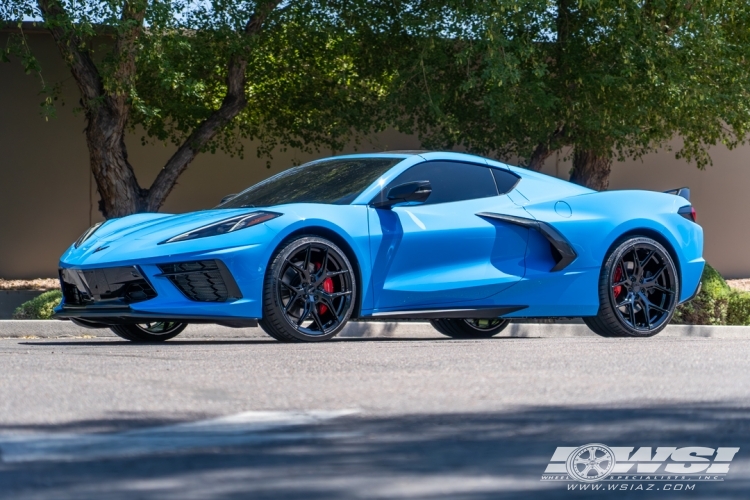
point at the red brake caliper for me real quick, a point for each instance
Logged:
(327, 287)
(618, 276)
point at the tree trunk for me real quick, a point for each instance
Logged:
(118, 188)
(107, 111)
(591, 169)
(540, 154)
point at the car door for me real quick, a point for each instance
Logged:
(440, 251)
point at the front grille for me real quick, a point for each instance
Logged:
(202, 281)
(112, 285)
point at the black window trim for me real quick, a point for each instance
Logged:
(390, 184)
(508, 171)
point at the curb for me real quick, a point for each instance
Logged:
(50, 329)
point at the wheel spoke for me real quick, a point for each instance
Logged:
(294, 266)
(646, 309)
(324, 265)
(307, 258)
(336, 273)
(317, 320)
(655, 276)
(290, 287)
(631, 307)
(305, 313)
(658, 308)
(661, 289)
(291, 302)
(599, 469)
(642, 264)
(329, 304)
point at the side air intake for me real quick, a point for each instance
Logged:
(202, 280)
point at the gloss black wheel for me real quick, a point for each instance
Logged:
(470, 328)
(309, 293)
(156, 331)
(638, 290)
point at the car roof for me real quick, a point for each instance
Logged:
(427, 155)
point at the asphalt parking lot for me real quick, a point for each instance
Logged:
(378, 417)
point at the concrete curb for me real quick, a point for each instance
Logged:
(30, 329)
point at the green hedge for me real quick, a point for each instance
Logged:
(716, 304)
(40, 307)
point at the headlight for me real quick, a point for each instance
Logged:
(225, 226)
(86, 235)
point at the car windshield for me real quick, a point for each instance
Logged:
(337, 182)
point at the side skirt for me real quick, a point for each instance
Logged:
(463, 313)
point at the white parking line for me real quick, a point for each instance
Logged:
(232, 430)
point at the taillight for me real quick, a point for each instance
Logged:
(689, 213)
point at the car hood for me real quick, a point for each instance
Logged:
(139, 231)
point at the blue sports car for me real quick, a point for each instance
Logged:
(462, 241)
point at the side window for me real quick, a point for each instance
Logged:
(451, 180)
(505, 180)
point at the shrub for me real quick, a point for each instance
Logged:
(716, 304)
(738, 311)
(40, 307)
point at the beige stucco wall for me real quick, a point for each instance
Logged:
(47, 199)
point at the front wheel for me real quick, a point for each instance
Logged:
(639, 290)
(309, 292)
(158, 331)
(470, 328)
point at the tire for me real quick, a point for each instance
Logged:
(639, 290)
(158, 331)
(470, 328)
(309, 292)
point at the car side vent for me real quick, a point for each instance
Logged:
(203, 280)
(556, 255)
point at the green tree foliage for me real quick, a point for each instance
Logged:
(606, 78)
(204, 76)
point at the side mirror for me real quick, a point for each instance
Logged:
(227, 198)
(416, 191)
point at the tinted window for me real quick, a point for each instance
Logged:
(504, 180)
(337, 182)
(451, 181)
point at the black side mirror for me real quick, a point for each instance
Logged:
(227, 198)
(416, 191)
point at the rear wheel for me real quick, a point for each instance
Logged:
(157, 331)
(309, 292)
(638, 290)
(470, 328)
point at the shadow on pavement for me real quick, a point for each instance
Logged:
(444, 456)
(269, 341)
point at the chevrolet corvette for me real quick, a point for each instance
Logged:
(464, 242)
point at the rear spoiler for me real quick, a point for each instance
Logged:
(683, 191)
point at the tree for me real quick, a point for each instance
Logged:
(203, 76)
(609, 78)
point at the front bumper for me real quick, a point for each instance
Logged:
(179, 290)
(107, 316)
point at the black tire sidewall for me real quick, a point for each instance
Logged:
(459, 329)
(135, 334)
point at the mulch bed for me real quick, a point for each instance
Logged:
(42, 284)
(743, 284)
